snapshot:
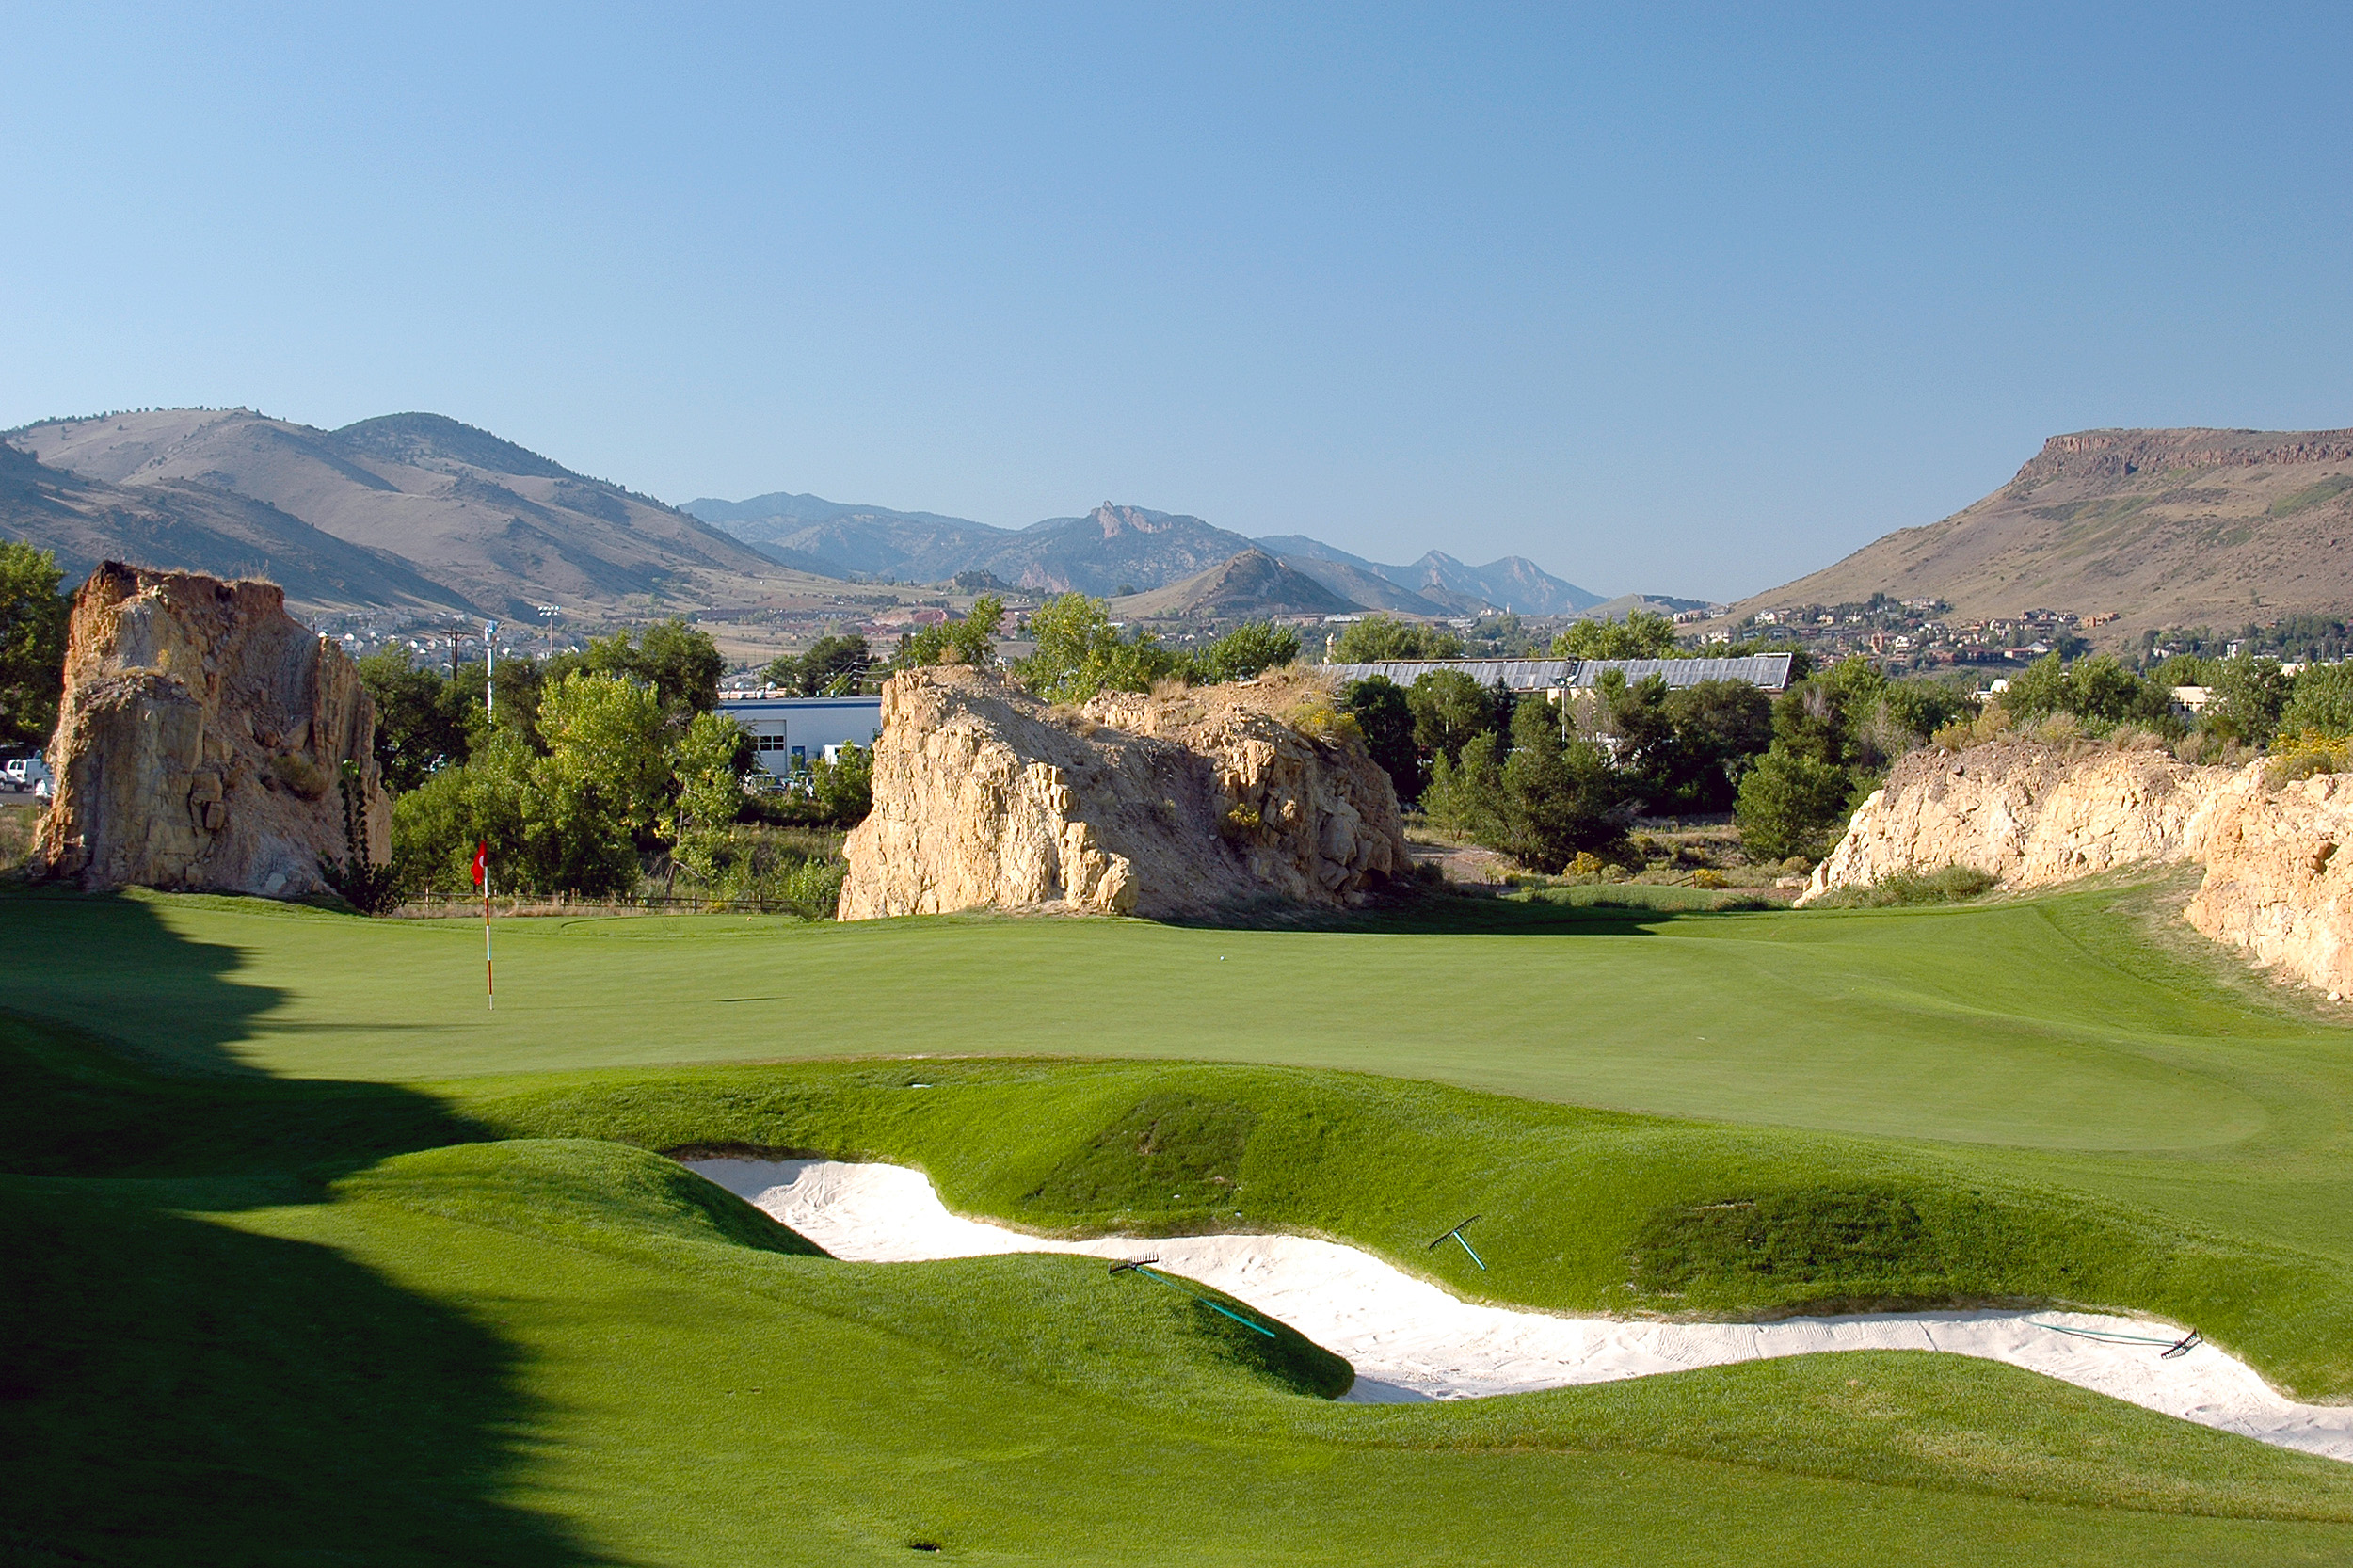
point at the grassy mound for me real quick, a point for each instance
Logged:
(1581, 1210)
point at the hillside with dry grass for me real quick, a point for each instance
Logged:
(2158, 527)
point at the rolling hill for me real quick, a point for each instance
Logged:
(403, 511)
(177, 524)
(2158, 527)
(1250, 585)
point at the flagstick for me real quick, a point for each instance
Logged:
(489, 979)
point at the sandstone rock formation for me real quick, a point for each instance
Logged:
(2027, 815)
(1181, 805)
(2280, 881)
(2033, 815)
(204, 740)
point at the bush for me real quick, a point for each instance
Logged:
(798, 870)
(2308, 752)
(1950, 885)
(1791, 805)
(1640, 636)
(1081, 654)
(1385, 639)
(1386, 718)
(2321, 703)
(1242, 653)
(1544, 803)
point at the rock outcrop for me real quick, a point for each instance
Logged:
(207, 742)
(1160, 806)
(2279, 881)
(2027, 815)
(2031, 816)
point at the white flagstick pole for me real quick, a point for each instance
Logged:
(489, 979)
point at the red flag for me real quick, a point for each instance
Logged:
(481, 863)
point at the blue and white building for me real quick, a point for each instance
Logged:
(794, 731)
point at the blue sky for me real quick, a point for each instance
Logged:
(1686, 299)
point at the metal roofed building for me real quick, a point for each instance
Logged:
(1767, 672)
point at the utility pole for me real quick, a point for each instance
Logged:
(457, 634)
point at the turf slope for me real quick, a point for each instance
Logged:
(314, 1308)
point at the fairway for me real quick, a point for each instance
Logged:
(395, 1205)
(1981, 1026)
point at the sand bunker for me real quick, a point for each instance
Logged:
(1408, 1339)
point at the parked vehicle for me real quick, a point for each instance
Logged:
(26, 772)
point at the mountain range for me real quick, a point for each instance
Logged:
(1117, 551)
(2160, 528)
(406, 512)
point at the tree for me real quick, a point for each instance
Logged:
(1790, 803)
(2249, 697)
(2100, 692)
(1558, 793)
(32, 644)
(682, 663)
(1387, 719)
(1720, 727)
(968, 641)
(2321, 703)
(707, 788)
(1449, 707)
(421, 718)
(833, 666)
(1640, 636)
(1385, 639)
(1080, 653)
(1245, 651)
(1809, 721)
(1542, 801)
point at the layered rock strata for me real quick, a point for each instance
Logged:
(207, 742)
(2027, 815)
(2280, 879)
(1184, 805)
(2032, 815)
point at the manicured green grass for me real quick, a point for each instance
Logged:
(423, 1368)
(284, 1300)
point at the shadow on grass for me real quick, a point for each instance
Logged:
(176, 1390)
(1581, 912)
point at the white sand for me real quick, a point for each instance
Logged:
(1409, 1339)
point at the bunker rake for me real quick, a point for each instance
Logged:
(1137, 1266)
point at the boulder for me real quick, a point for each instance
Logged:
(1183, 805)
(207, 742)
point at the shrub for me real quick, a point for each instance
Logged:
(1383, 639)
(2308, 752)
(1790, 805)
(1386, 719)
(2321, 703)
(1950, 885)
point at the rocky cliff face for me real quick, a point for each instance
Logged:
(2032, 815)
(1183, 805)
(2278, 882)
(2027, 815)
(203, 741)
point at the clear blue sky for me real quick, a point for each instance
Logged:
(1682, 299)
